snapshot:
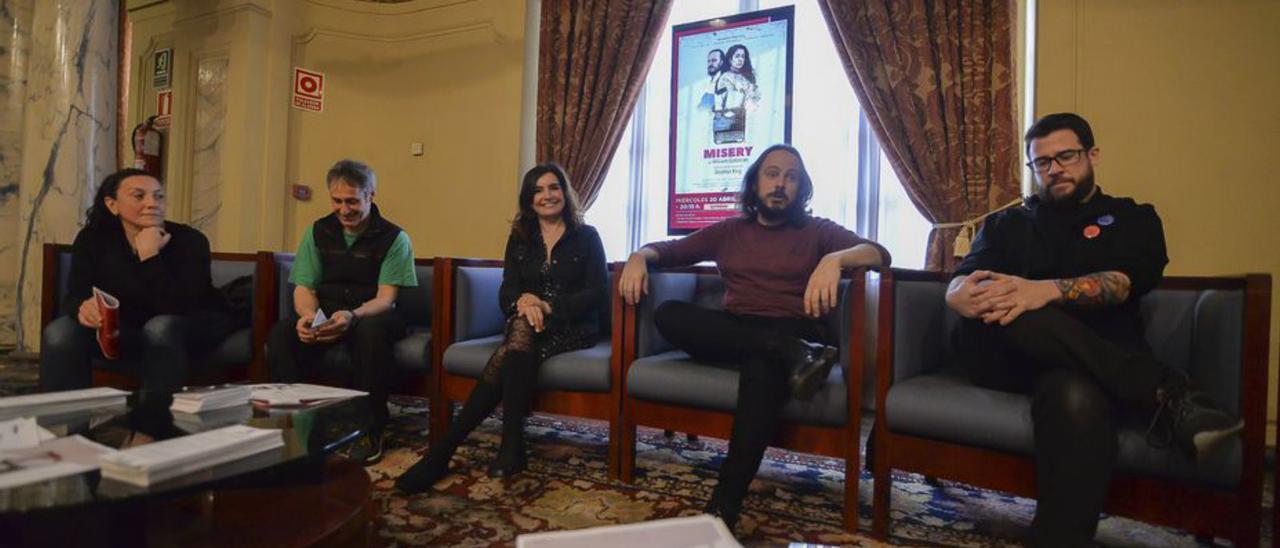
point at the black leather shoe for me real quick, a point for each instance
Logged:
(810, 365)
(367, 450)
(423, 474)
(726, 513)
(1200, 426)
(507, 467)
(1194, 422)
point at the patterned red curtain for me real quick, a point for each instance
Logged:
(592, 60)
(936, 79)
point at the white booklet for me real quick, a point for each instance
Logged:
(209, 398)
(22, 433)
(52, 459)
(155, 462)
(277, 394)
(702, 531)
(192, 423)
(51, 403)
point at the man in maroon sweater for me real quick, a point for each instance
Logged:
(781, 269)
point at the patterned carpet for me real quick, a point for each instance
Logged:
(795, 499)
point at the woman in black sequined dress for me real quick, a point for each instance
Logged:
(553, 294)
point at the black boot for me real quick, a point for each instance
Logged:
(1190, 419)
(422, 475)
(519, 385)
(810, 364)
(728, 511)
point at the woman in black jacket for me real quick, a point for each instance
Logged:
(158, 270)
(553, 288)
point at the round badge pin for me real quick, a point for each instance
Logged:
(1106, 220)
(1092, 231)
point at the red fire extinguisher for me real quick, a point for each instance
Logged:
(148, 147)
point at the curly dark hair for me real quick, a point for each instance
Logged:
(749, 198)
(525, 223)
(747, 70)
(98, 217)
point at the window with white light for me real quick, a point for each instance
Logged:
(853, 184)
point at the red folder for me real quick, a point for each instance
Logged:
(109, 330)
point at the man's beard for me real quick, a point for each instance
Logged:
(712, 70)
(1084, 186)
(792, 210)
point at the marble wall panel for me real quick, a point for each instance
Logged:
(68, 135)
(207, 140)
(15, 45)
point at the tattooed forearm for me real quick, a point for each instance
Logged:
(1099, 289)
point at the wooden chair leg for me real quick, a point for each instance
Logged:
(615, 446)
(852, 471)
(882, 486)
(441, 415)
(626, 450)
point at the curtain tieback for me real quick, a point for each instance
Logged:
(967, 228)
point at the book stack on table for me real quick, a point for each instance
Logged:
(54, 403)
(156, 462)
(208, 399)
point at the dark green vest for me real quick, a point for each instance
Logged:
(349, 276)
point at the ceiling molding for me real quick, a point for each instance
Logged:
(483, 26)
(380, 8)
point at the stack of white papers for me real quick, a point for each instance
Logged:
(689, 532)
(298, 393)
(22, 433)
(53, 403)
(208, 399)
(52, 459)
(208, 420)
(156, 462)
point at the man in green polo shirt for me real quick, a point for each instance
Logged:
(350, 266)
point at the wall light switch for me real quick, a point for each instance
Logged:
(416, 149)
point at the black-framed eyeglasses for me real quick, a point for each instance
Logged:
(1064, 159)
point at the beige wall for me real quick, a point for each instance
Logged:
(446, 77)
(439, 72)
(1182, 95)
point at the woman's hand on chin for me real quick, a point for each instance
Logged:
(150, 241)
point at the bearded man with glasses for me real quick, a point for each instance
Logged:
(1049, 294)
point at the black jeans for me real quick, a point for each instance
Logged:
(1081, 385)
(750, 344)
(163, 347)
(369, 343)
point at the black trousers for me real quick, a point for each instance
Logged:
(749, 344)
(369, 343)
(163, 347)
(1081, 385)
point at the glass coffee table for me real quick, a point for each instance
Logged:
(301, 494)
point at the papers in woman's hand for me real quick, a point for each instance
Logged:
(159, 461)
(298, 393)
(109, 330)
(319, 319)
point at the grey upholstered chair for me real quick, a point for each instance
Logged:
(933, 421)
(582, 383)
(413, 353)
(232, 360)
(666, 388)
